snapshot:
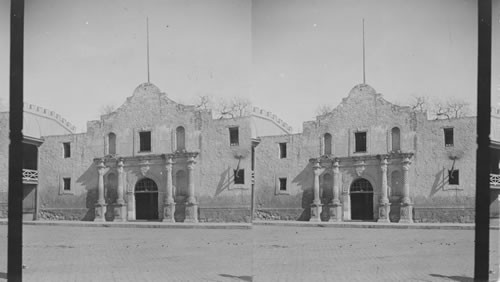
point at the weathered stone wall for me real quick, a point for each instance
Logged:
(364, 110)
(150, 110)
(432, 160)
(53, 167)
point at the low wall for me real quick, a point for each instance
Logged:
(66, 214)
(237, 214)
(298, 214)
(444, 214)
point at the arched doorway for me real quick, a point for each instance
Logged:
(146, 199)
(361, 200)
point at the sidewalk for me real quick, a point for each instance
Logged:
(229, 225)
(137, 224)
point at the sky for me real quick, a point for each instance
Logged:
(286, 56)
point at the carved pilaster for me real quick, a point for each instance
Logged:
(169, 207)
(191, 205)
(120, 210)
(336, 206)
(120, 191)
(316, 205)
(100, 207)
(406, 182)
(406, 214)
(190, 168)
(384, 205)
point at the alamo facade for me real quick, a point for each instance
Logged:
(155, 159)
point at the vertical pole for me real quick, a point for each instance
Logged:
(147, 43)
(364, 77)
(482, 235)
(15, 206)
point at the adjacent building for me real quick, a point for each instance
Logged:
(37, 123)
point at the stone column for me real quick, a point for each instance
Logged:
(169, 206)
(120, 208)
(191, 205)
(130, 205)
(316, 205)
(100, 207)
(406, 214)
(384, 206)
(336, 206)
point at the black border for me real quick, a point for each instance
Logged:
(15, 228)
(482, 231)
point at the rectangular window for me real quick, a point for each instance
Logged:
(67, 184)
(239, 176)
(453, 177)
(282, 150)
(67, 149)
(234, 139)
(360, 139)
(145, 141)
(448, 137)
(282, 184)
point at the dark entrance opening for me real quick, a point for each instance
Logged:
(361, 200)
(146, 199)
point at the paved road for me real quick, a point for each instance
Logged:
(264, 253)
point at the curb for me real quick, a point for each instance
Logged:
(179, 225)
(370, 225)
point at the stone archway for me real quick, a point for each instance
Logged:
(146, 199)
(361, 199)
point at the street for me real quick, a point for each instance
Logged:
(263, 253)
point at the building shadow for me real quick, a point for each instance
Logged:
(223, 182)
(439, 182)
(89, 179)
(305, 180)
(455, 278)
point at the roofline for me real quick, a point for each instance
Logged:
(32, 140)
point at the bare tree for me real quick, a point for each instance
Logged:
(420, 104)
(107, 109)
(323, 110)
(458, 108)
(205, 103)
(441, 109)
(233, 107)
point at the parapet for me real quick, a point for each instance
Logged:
(49, 114)
(256, 111)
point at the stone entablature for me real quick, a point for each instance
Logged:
(142, 166)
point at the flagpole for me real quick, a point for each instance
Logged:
(147, 44)
(364, 74)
